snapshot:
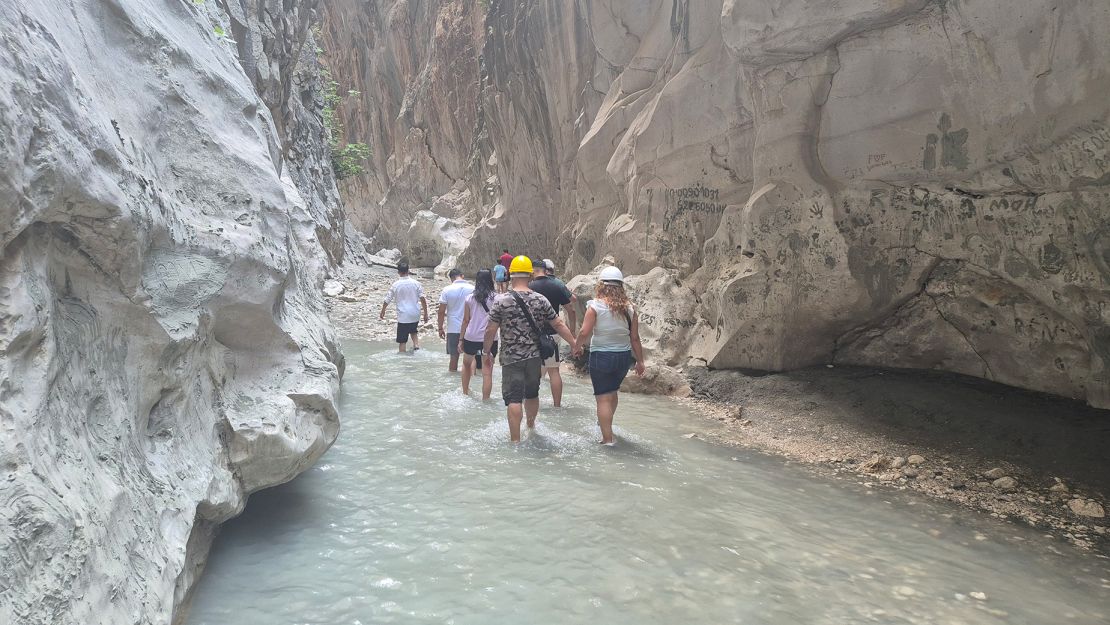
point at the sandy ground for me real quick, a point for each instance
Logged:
(1017, 455)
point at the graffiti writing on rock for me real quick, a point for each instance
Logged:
(1044, 328)
(694, 199)
(1082, 153)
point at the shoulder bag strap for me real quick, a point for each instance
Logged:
(527, 313)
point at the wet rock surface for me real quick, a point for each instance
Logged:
(168, 214)
(838, 183)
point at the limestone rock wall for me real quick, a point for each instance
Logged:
(914, 183)
(167, 214)
(413, 68)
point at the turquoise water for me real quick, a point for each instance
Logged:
(423, 513)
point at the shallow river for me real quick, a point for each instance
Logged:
(423, 513)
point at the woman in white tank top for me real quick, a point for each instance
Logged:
(613, 329)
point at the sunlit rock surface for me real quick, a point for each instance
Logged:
(167, 215)
(910, 184)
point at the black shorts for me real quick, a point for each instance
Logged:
(406, 329)
(521, 381)
(474, 348)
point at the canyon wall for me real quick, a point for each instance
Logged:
(168, 213)
(917, 183)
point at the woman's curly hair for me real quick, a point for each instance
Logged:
(616, 298)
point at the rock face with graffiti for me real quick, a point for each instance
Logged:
(910, 183)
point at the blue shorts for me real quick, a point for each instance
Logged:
(608, 370)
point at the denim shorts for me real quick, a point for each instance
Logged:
(608, 370)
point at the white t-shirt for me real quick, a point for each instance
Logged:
(612, 331)
(407, 293)
(454, 298)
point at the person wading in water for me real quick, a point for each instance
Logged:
(501, 276)
(517, 316)
(451, 303)
(409, 295)
(615, 329)
(475, 319)
(557, 293)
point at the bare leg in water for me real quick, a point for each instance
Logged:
(556, 378)
(467, 372)
(516, 411)
(487, 382)
(606, 408)
(532, 407)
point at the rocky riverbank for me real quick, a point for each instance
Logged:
(354, 299)
(1013, 454)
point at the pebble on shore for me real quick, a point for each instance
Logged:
(995, 473)
(1087, 507)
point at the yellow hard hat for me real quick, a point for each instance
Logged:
(520, 264)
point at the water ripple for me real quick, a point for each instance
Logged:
(423, 513)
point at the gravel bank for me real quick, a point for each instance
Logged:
(355, 304)
(1017, 455)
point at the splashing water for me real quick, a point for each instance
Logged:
(423, 513)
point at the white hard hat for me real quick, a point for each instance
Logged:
(611, 274)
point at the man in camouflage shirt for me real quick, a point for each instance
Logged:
(520, 350)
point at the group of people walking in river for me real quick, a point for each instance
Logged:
(512, 310)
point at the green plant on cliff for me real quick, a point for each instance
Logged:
(346, 159)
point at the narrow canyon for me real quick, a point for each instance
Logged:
(786, 184)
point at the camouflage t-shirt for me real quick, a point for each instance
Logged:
(518, 341)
